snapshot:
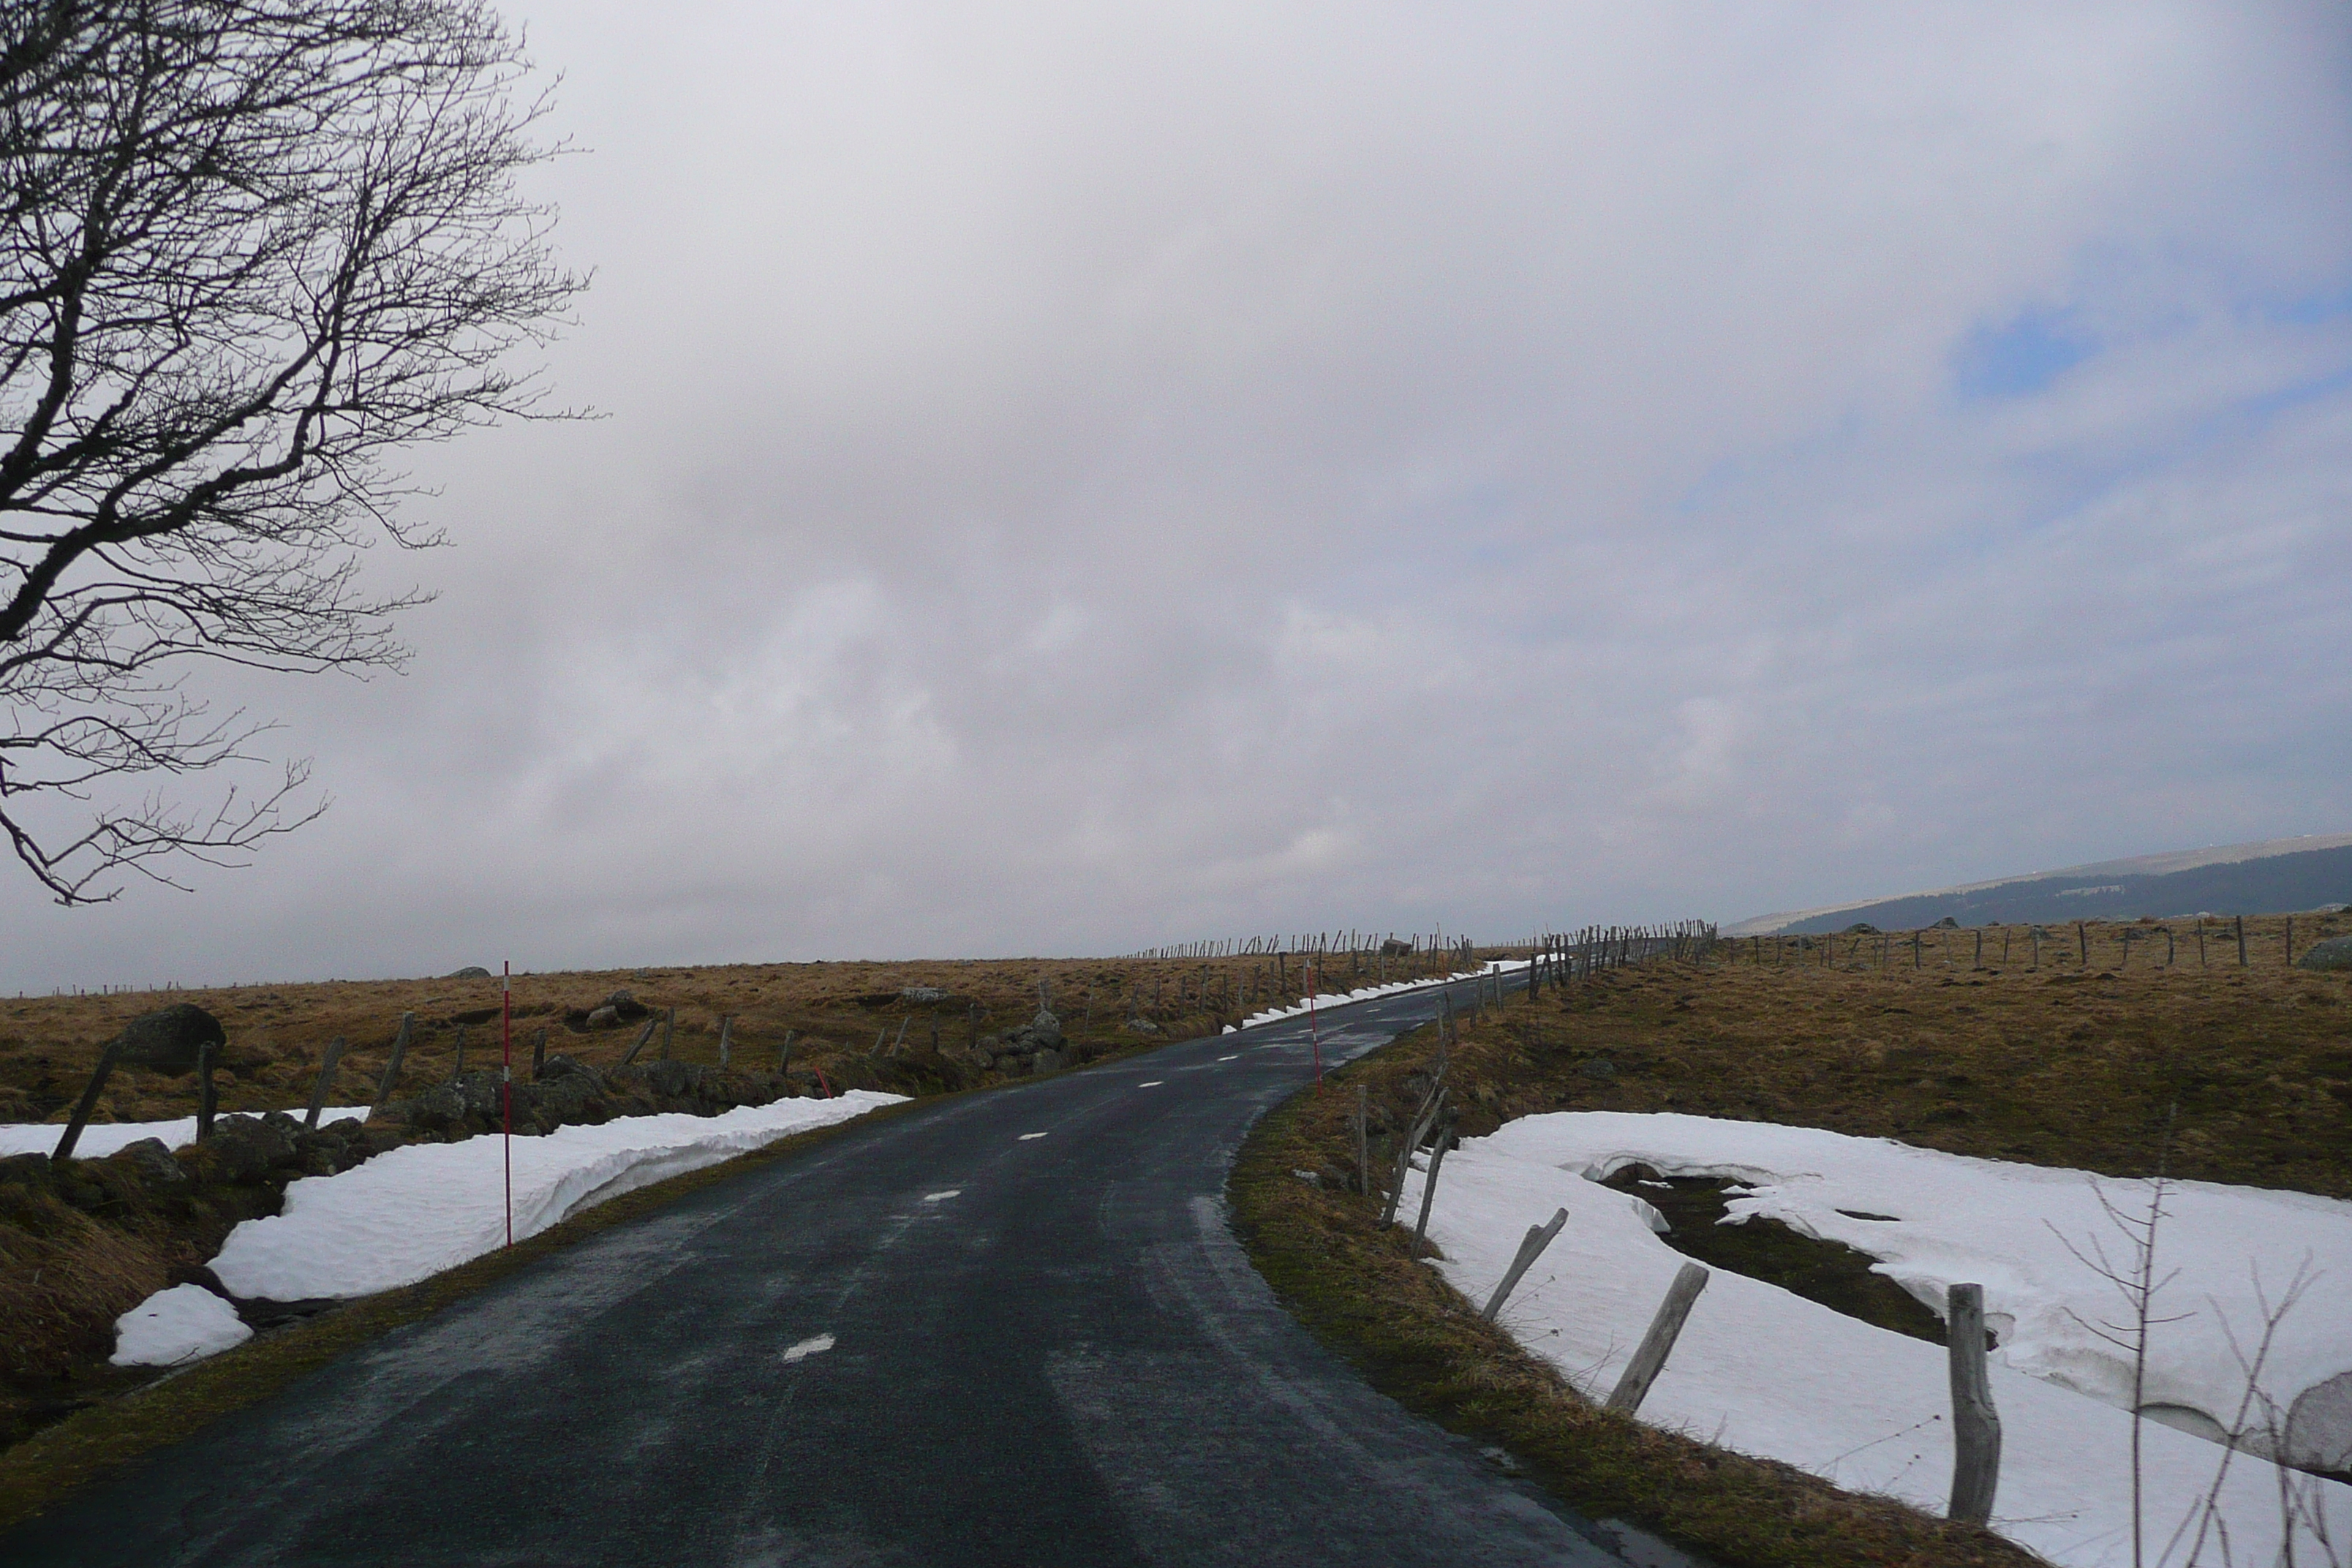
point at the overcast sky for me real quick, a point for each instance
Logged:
(1081, 477)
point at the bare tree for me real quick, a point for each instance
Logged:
(249, 249)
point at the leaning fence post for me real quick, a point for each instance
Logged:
(726, 1030)
(392, 1069)
(1539, 1236)
(207, 1092)
(1976, 1424)
(326, 1079)
(1429, 1184)
(1650, 1359)
(88, 1101)
(643, 1035)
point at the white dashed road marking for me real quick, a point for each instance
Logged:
(1234, 1057)
(950, 1193)
(1155, 1083)
(1027, 1136)
(807, 1348)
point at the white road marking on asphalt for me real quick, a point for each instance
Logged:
(1155, 1083)
(1027, 1136)
(806, 1348)
(1236, 1057)
(950, 1193)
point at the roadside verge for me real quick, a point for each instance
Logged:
(1357, 1287)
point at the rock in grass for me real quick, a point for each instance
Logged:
(471, 971)
(152, 1162)
(168, 1041)
(2336, 952)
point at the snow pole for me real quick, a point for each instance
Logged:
(506, 1080)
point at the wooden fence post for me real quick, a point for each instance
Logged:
(1650, 1359)
(2083, 936)
(2242, 941)
(670, 1026)
(392, 1068)
(1363, 1140)
(1539, 1236)
(643, 1035)
(727, 1032)
(207, 1092)
(784, 1051)
(326, 1081)
(538, 1055)
(88, 1101)
(1976, 1424)
(1429, 1184)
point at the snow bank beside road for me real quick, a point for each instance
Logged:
(100, 1139)
(413, 1211)
(416, 1210)
(1941, 1219)
(1767, 1372)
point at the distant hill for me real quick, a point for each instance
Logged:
(2271, 876)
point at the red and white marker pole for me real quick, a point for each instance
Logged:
(506, 1081)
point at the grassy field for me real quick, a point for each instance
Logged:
(842, 1019)
(2059, 1064)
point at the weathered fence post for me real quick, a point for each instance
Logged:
(88, 1101)
(326, 1081)
(1363, 1140)
(207, 1092)
(1976, 1424)
(2242, 941)
(1429, 1184)
(669, 1027)
(392, 1068)
(1539, 1236)
(643, 1035)
(538, 1055)
(1650, 1359)
(727, 1032)
(784, 1052)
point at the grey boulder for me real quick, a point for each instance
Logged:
(2336, 952)
(170, 1040)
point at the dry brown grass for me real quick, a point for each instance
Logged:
(2066, 1066)
(277, 1034)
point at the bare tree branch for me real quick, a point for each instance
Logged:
(250, 250)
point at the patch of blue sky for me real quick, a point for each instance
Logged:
(2021, 357)
(2314, 308)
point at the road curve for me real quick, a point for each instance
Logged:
(1008, 1327)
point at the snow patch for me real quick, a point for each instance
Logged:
(1766, 1372)
(413, 1211)
(185, 1323)
(100, 1139)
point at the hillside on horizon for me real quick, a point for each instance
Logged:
(2276, 876)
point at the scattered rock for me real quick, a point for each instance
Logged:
(168, 1041)
(1946, 923)
(625, 1007)
(1861, 928)
(471, 971)
(602, 1017)
(246, 1148)
(1598, 1066)
(152, 1162)
(1312, 1178)
(922, 993)
(2336, 952)
(1141, 1025)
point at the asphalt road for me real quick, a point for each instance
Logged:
(1007, 1329)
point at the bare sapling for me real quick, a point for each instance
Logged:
(2134, 1275)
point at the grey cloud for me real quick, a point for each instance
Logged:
(1075, 478)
